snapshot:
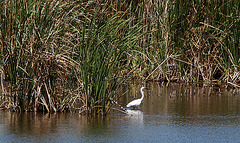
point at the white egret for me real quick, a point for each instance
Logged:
(137, 102)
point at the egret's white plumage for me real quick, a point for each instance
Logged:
(137, 102)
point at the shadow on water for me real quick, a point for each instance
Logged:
(174, 113)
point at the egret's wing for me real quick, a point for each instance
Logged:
(134, 103)
(131, 103)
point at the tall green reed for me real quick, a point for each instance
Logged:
(203, 36)
(49, 46)
(32, 45)
(104, 41)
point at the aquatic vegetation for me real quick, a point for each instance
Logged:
(103, 45)
(74, 55)
(35, 55)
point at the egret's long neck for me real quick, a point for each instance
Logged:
(142, 94)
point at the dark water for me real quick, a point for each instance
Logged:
(174, 113)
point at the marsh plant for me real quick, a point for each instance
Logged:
(74, 55)
(103, 45)
(55, 54)
(34, 54)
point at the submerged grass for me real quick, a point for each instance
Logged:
(74, 55)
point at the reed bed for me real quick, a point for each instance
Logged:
(74, 55)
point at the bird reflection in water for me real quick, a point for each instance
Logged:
(135, 115)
